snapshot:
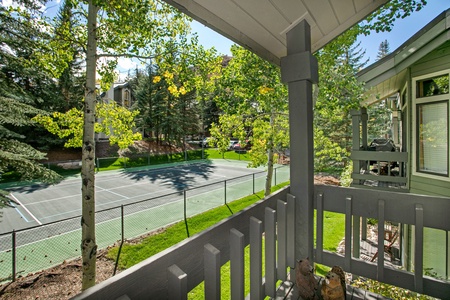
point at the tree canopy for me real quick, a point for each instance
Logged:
(23, 90)
(254, 104)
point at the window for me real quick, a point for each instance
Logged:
(431, 138)
(432, 86)
(126, 101)
(432, 152)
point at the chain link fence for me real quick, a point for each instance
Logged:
(33, 249)
(131, 160)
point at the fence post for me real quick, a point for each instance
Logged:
(148, 160)
(13, 255)
(275, 176)
(98, 164)
(225, 191)
(253, 183)
(185, 217)
(121, 242)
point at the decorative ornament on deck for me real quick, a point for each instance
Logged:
(333, 286)
(305, 281)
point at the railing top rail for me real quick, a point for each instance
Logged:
(399, 207)
(379, 155)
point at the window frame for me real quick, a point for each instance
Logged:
(416, 102)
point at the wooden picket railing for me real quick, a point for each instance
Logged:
(172, 273)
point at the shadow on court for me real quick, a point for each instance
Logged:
(29, 188)
(179, 177)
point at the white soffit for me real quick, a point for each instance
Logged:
(261, 25)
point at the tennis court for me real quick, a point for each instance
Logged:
(41, 204)
(129, 203)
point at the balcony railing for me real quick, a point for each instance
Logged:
(384, 163)
(172, 273)
(390, 167)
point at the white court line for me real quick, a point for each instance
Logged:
(110, 191)
(26, 209)
(97, 205)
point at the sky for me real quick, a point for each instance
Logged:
(402, 31)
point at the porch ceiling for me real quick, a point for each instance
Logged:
(261, 25)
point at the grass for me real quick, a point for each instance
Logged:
(333, 232)
(131, 254)
(236, 155)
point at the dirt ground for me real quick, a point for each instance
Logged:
(64, 281)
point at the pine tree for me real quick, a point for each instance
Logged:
(338, 93)
(23, 87)
(383, 49)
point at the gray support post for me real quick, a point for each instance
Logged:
(299, 71)
(256, 231)
(356, 117)
(364, 119)
(177, 281)
(237, 264)
(212, 272)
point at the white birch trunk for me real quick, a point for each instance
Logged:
(88, 242)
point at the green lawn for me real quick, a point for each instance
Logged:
(133, 254)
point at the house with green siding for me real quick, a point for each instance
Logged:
(413, 81)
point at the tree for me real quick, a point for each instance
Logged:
(383, 19)
(254, 104)
(23, 86)
(145, 29)
(383, 49)
(15, 154)
(163, 115)
(108, 29)
(339, 91)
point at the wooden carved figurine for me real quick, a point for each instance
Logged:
(305, 281)
(333, 287)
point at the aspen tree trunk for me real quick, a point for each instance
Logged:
(88, 243)
(270, 159)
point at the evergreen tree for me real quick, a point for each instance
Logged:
(338, 93)
(163, 116)
(71, 80)
(383, 49)
(23, 88)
